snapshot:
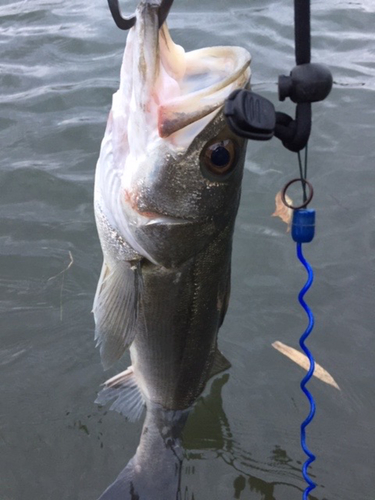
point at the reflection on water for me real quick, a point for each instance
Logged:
(171, 439)
(243, 486)
(208, 426)
(155, 470)
(207, 435)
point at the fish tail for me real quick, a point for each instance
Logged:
(123, 487)
(154, 473)
(135, 483)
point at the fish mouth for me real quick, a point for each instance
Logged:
(170, 90)
(158, 219)
(139, 218)
(210, 75)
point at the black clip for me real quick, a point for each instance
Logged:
(253, 116)
(306, 83)
(250, 115)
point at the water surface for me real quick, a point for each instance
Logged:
(59, 67)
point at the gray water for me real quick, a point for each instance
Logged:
(59, 66)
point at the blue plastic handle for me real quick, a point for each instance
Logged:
(311, 456)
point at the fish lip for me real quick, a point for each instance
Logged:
(159, 219)
(162, 219)
(148, 218)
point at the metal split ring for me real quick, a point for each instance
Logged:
(305, 203)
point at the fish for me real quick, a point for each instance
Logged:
(167, 191)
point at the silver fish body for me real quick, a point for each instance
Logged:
(167, 190)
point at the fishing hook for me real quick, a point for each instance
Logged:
(125, 23)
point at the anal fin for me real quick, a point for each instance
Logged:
(220, 364)
(124, 390)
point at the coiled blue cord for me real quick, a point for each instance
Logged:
(311, 456)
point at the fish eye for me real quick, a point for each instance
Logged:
(219, 157)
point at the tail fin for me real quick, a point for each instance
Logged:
(154, 473)
(122, 488)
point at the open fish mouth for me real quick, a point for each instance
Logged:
(167, 97)
(167, 93)
(206, 78)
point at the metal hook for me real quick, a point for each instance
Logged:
(164, 9)
(125, 23)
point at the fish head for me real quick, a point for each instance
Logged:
(177, 164)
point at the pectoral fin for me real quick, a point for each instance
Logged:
(115, 310)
